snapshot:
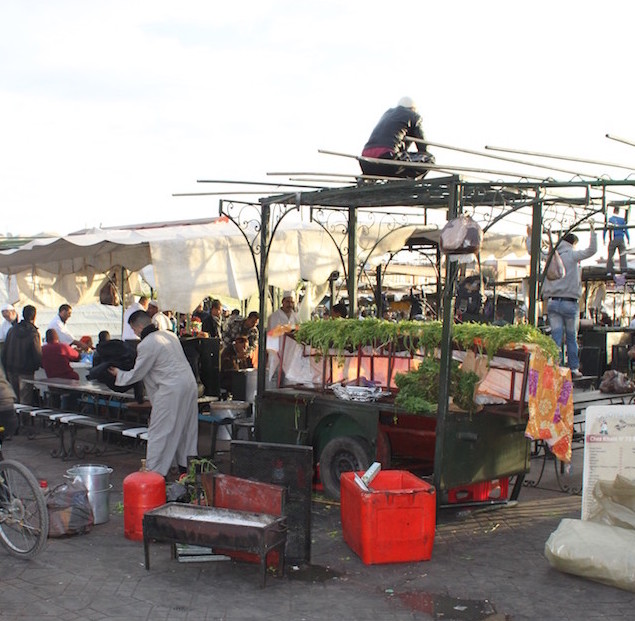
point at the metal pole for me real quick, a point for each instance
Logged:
(378, 297)
(123, 297)
(623, 140)
(352, 262)
(558, 157)
(422, 167)
(439, 283)
(498, 157)
(451, 271)
(534, 263)
(263, 286)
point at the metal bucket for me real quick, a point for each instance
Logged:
(100, 503)
(229, 409)
(95, 477)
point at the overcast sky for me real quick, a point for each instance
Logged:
(107, 108)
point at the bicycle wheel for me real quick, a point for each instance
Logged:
(24, 520)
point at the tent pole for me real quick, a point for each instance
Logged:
(263, 285)
(123, 297)
(352, 262)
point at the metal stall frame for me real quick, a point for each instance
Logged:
(547, 206)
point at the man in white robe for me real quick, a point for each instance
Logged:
(285, 315)
(160, 320)
(171, 387)
(127, 333)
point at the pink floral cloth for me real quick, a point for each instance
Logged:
(550, 393)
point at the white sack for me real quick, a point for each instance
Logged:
(596, 551)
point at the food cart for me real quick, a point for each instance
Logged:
(339, 393)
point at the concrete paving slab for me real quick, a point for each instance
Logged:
(493, 556)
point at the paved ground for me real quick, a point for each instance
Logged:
(485, 565)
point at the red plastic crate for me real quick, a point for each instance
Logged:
(496, 489)
(394, 522)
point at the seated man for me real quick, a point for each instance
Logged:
(56, 357)
(390, 140)
(236, 356)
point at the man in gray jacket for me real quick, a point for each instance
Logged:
(562, 297)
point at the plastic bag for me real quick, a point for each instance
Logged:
(601, 548)
(615, 502)
(556, 269)
(461, 235)
(616, 382)
(109, 295)
(602, 553)
(69, 509)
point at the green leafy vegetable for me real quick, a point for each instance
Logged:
(347, 335)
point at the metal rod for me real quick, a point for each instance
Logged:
(421, 166)
(351, 285)
(558, 157)
(315, 174)
(288, 185)
(360, 176)
(498, 157)
(618, 139)
(534, 261)
(445, 359)
(226, 193)
(263, 287)
(338, 181)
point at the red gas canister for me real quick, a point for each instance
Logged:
(142, 491)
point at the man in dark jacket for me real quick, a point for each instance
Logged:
(8, 418)
(22, 354)
(114, 353)
(389, 141)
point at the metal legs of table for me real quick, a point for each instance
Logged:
(540, 456)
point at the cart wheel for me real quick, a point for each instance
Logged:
(384, 450)
(341, 455)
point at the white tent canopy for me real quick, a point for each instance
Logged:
(190, 261)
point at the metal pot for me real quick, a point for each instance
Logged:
(95, 477)
(100, 503)
(230, 409)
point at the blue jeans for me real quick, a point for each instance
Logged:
(564, 318)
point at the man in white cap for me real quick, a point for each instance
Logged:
(389, 141)
(286, 314)
(10, 318)
(160, 320)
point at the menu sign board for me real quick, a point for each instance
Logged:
(609, 449)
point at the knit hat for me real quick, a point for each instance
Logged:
(288, 294)
(8, 307)
(407, 102)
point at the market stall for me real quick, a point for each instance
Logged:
(360, 390)
(548, 206)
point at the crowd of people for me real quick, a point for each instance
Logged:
(149, 358)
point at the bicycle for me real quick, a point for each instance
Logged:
(24, 520)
